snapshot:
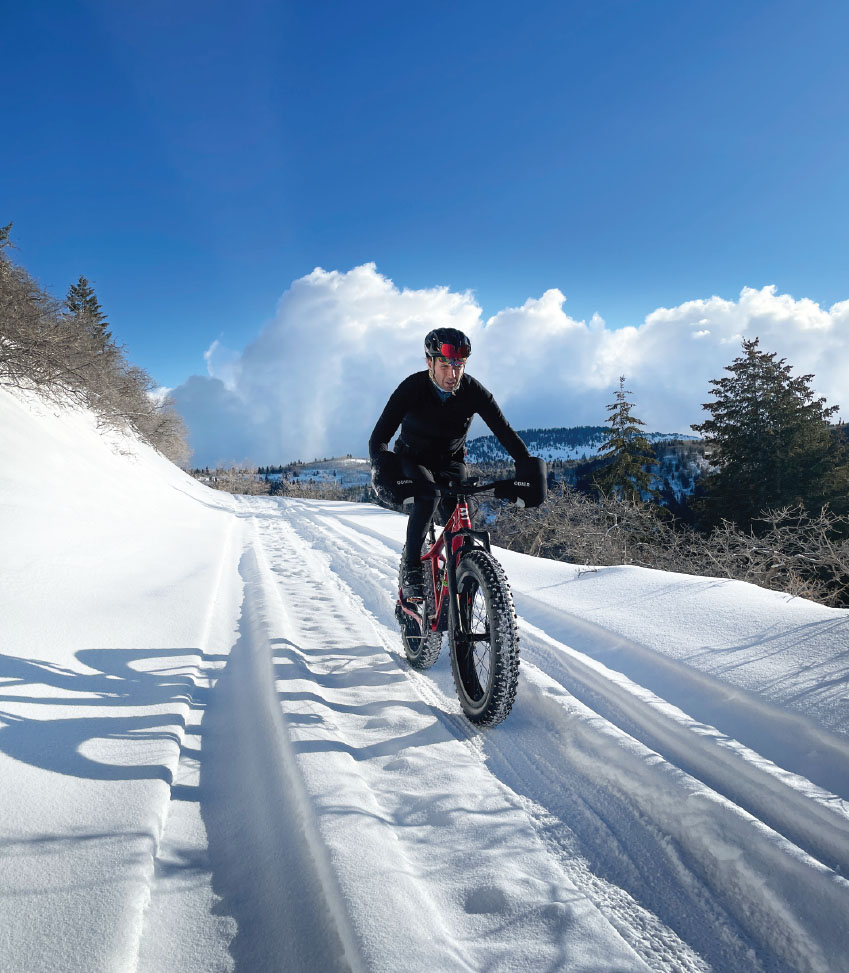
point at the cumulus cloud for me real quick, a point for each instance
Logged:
(222, 363)
(315, 379)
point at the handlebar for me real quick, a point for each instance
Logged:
(527, 488)
(460, 488)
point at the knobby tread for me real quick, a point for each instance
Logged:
(504, 638)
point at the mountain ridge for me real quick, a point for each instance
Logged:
(560, 443)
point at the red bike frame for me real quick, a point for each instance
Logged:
(454, 537)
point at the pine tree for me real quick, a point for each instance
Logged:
(626, 449)
(82, 304)
(769, 440)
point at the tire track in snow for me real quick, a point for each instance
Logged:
(813, 819)
(374, 579)
(760, 888)
(792, 909)
(787, 738)
(650, 936)
(270, 866)
(470, 885)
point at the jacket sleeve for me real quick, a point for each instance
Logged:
(487, 409)
(387, 425)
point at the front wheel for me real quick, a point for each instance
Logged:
(485, 652)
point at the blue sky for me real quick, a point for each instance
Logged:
(195, 158)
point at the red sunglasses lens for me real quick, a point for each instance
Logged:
(452, 351)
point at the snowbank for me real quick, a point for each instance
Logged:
(110, 561)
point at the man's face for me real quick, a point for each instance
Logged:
(446, 372)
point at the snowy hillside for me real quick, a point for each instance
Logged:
(346, 471)
(680, 458)
(566, 443)
(214, 757)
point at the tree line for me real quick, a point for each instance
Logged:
(64, 349)
(773, 508)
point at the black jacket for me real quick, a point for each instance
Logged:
(434, 432)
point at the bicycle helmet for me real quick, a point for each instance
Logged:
(447, 343)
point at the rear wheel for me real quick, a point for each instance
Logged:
(485, 653)
(421, 645)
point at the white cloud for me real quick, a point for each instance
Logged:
(316, 378)
(222, 363)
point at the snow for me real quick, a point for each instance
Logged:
(214, 757)
(576, 443)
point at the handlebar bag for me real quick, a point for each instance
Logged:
(529, 487)
(388, 480)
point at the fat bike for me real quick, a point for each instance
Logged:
(466, 594)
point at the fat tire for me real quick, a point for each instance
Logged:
(482, 583)
(422, 650)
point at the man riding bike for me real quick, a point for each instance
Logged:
(434, 409)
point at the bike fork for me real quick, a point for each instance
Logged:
(455, 618)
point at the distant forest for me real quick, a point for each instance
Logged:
(485, 448)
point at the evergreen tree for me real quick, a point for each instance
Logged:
(769, 440)
(82, 304)
(626, 451)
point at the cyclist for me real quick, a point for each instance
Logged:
(434, 409)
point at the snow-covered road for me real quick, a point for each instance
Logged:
(214, 756)
(697, 850)
(437, 861)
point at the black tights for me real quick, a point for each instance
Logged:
(424, 508)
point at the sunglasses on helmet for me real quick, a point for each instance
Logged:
(454, 353)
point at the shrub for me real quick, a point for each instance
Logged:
(65, 354)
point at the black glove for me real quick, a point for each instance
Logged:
(387, 478)
(529, 487)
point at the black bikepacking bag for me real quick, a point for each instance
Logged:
(529, 487)
(388, 480)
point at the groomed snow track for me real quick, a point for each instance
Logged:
(279, 887)
(401, 827)
(600, 827)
